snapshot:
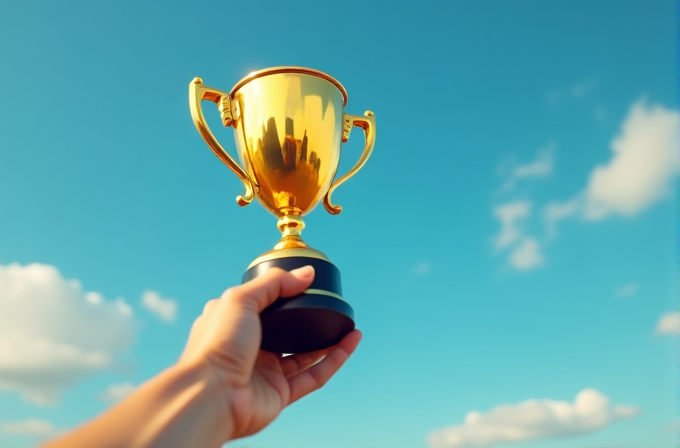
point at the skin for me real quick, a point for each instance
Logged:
(223, 387)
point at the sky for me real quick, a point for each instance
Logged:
(509, 249)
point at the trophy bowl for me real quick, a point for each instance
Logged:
(289, 126)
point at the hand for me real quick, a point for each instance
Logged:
(257, 385)
(223, 387)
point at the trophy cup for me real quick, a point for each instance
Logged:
(289, 127)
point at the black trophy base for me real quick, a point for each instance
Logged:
(314, 320)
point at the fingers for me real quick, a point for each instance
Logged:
(234, 333)
(292, 365)
(313, 378)
(262, 291)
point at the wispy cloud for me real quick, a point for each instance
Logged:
(669, 324)
(510, 216)
(422, 268)
(523, 251)
(575, 92)
(640, 172)
(644, 162)
(526, 255)
(33, 428)
(600, 113)
(555, 212)
(531, 420)
(52, 332)
(164, 309)
(583, 88)
(540, 167)
(627, 290)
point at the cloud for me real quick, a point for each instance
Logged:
(628, 290)
(164, 309)
(34, 428)
(600, 113)
(582, 89)
(422, 268)
(52, 332)
(116, 392)
(644, 162)
(542, 166)
(575, 92)
(526, 256)
(669, 324)
(510, 214)
(532, 419)
(524, 252)
(555, 212)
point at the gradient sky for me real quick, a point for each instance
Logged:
(511, 239)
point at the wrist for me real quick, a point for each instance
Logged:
(197, 407)
(180, 407)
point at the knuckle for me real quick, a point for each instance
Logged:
(239, 297)
(319, 379)
(210, 305)
(198, 323)
(230, 293)
(275, 272)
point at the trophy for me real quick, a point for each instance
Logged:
(289, 126)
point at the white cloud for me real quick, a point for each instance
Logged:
(526, 256)
(53, 333)
(542, 166)
(669, 323)
(525, 252)
(532, 419)
(164, 309)
(628, 290)
(555, 212)
(32, 428)
(509, 215)
(644, 162)
(116, 392)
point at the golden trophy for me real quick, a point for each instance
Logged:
(289, 126)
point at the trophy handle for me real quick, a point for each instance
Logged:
(197, 93)
(367, 123)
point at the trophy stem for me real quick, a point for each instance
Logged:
(291, 226)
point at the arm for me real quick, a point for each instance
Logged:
(223, 387)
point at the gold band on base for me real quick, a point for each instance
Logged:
(323, 292)
(285, 253)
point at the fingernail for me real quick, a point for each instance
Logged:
(304, 272)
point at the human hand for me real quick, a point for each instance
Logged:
(255, 385)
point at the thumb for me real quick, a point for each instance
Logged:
(262, 291)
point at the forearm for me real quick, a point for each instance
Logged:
(181, 407)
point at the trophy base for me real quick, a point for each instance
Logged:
(316, 319)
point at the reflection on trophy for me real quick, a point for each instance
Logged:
(289, 127)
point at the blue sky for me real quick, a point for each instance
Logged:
(511, 239)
